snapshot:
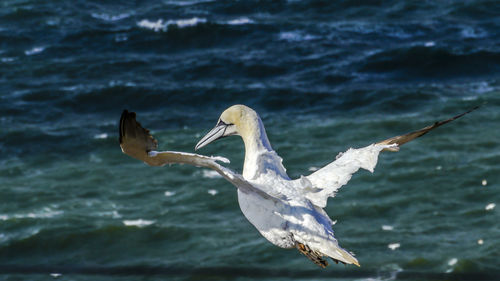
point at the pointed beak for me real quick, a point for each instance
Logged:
(215, 134)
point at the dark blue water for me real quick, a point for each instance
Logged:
(323, 75)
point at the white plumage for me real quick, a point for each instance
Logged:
(288, 213)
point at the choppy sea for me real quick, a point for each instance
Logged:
(323, 75)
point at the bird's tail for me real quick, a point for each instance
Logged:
(317, 257)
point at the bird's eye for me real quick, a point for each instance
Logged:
(220, 123)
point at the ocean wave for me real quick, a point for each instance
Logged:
(44, 213)
(112, 214)
(101, 136)
(387, 227)
(188, 2)
(240, 21)
(34, 51)
(481, 87)
(169, 193)
(368, 28)
(109, 17)
(490, 206)
(209, 174)
(430, 44)
(161, 25)
(138, 223)
(394, 246)
(473, 33)
(121, 37)
(7, 59)
(296, 36)
(420, 61)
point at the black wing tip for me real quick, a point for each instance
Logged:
(472, 109)
(439, 123)
(125, 115)
(402, 139)
(458, 116)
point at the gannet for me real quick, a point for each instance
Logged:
(287, 212)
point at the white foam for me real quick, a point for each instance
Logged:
(53, 22)
(439, 168)
(480, 242)
(387, 227)
(44, 213)
(101, 136)
(313, 169)
(240, 21)
(108, 17)
(472, 33)
(34, 51)
(56, 275)
(115, 214)
(161, 25)
(114, 83)
(394, 246)
(187, 22)
(212, 192)
(73, 88)
(296, 36)
(209, 174)
(158, 25)
(430, 44)
(452, 262)
(138, 223)
(169, 193)
(490, 207)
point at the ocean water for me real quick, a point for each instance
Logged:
(323, 75)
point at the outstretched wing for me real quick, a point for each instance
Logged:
(326, 181)
(400, 140)
(138, 143)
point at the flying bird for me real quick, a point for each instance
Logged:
(287, 212)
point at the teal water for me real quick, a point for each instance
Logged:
(323, 76)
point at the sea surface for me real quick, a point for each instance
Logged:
(323, 75)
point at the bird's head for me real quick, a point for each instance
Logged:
(236, 120)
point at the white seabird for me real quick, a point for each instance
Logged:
(289, 213)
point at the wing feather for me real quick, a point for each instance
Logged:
(327, 181)
(402, 139)
(138, 143)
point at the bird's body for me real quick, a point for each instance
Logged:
(288, 213)
(292, 220)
